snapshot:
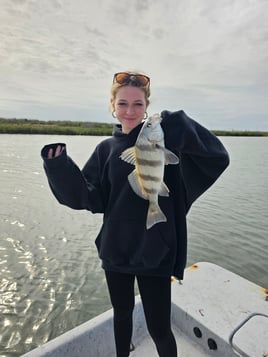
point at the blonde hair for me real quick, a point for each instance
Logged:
(145, 89)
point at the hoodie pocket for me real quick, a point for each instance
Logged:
(155, 248)
(129, 244)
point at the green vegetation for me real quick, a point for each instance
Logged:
(34, 126)
(239, 133)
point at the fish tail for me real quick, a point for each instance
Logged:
(155, 215)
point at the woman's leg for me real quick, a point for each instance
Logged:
(156, 298)
(121, 289)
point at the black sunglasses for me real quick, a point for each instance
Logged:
(139, 80)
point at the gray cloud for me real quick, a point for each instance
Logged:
(208, 57)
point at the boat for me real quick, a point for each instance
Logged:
(215, 312)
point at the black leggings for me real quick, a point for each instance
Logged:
(156, 299)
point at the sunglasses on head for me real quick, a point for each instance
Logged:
(139, 80)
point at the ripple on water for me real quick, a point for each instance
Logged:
(51, 255)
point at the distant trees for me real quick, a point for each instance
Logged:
(34, 126)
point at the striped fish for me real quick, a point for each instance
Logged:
(150, 157)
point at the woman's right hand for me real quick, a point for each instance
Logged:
(51, 153)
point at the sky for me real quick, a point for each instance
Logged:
(206, 57)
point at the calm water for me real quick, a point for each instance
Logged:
(50, 276)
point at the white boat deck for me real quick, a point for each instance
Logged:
(214, 313)
(186, 347)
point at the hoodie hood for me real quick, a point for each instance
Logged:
(117, 131)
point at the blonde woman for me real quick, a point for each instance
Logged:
(128, 249)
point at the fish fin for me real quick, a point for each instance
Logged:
(155, 215)
(170, 157)
(164, 191)
(129, 155)
(135, 185)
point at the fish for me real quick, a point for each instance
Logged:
(149, 156)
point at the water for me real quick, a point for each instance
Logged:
(50, 275)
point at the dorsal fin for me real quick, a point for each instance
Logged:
(129, 155)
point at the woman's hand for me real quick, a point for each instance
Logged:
(51, 154)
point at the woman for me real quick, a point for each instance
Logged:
(127, 249)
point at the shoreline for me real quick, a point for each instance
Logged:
(34, 126)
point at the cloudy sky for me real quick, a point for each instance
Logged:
(207, 57)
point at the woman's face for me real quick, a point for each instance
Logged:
(129, 105)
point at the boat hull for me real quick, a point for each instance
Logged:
(214, 312)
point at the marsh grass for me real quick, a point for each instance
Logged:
(34, 126)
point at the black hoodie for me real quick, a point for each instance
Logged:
(124, 244)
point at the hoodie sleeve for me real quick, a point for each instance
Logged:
(202, 155)
(68, 183)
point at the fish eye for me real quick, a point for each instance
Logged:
(149, 125)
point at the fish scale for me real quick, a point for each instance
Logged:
(149, 156)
